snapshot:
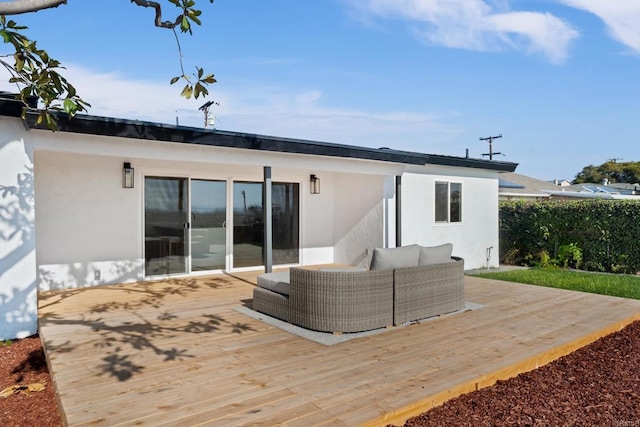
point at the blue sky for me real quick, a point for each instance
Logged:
(559, 79)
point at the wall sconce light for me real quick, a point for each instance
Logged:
(127, 175)
(315, 184)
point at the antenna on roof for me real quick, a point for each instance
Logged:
(490, 139)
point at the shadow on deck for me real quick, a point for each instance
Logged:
(176, 351)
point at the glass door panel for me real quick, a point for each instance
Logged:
(166, 221)
(286, 229)
(248, 227)
(208, 225)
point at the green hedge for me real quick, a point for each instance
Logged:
(606, 231)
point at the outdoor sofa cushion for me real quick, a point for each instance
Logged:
(277, 282)
(390, 258)
(435, 254)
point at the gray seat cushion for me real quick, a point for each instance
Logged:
(435, 254)
(277, 282)
(389, 258)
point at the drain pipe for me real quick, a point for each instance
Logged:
(489, 255)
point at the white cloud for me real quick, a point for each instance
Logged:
(620, 16)
(478, 25)
(309, 97)
(259, 109)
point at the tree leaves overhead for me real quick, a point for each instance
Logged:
(36, 74)
(199, 88)
(612, 171)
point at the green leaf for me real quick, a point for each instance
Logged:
(209, 79)
(184, 25)
(196, 20)
(71, 90)
(51, 122)
(70, 107)
(187, 91)
(175, 79)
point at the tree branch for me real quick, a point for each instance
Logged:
(17, 7)
(158, 21)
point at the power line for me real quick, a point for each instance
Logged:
(490, 139)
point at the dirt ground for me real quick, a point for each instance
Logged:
(597, 385)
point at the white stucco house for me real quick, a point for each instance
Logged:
(107, 200)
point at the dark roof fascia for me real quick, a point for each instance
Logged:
(151, 131)
(469, 162)
(106, 126)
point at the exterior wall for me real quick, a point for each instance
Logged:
(362, 217)
(85, 222)
(90, 229)
(18, 294)
(478, 230)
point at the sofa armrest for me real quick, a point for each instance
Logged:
(348, 301)
(427, 291)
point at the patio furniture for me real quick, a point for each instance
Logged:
(333, 301)
(427, 291)
(396, 290)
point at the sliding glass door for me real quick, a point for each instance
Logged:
(286, 225)
(248, 226)
(208, 225)
(166, 225)
(186, 225)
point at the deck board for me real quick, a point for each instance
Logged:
(176, 352)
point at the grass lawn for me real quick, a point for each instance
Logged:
(597, 283)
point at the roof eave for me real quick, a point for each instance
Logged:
(152, 131)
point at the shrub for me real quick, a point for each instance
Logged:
(605, 232)
(569, 256)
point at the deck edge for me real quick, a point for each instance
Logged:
(401, 415)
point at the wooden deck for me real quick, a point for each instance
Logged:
(177, 353)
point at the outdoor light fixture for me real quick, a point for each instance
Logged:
(127, 175)
(315, 184)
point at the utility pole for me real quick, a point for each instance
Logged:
(209, 118)
(490, 139)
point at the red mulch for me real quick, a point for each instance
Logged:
(597, 385)
(22, 362)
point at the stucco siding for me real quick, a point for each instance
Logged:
(18, 292)
(478, 230)
(359, 217)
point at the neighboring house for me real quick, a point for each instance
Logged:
(196, 205)
(598, 191)
(514, 186)
(561, 182)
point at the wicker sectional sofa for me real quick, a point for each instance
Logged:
(392, 292)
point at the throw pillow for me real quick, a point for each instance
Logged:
(435, 254)
(388, 258)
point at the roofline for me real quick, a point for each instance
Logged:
(544, 196)
(152, 131)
